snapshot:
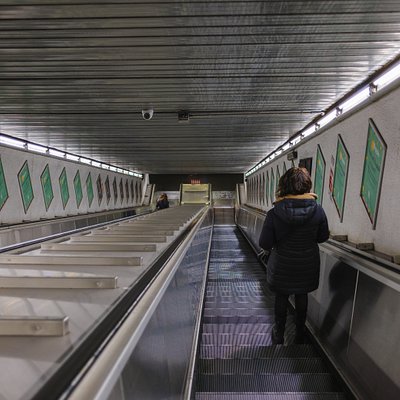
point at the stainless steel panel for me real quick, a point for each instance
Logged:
(158, 366)
(33, 326)
(118, 238)
(86, 260)
(97, 247)
(374, 350)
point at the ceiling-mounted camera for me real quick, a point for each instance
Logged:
(147, 114)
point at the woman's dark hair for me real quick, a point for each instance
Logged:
(294, 181)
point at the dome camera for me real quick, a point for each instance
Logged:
(147, 114)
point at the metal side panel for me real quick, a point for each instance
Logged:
(33, 326)
(374, 346)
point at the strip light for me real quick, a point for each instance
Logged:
(388, 77)
(22, 144)
(12, 142)
(384, 79)
(37, 148)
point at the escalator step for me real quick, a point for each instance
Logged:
(249, 352)
(270, 396)
(261, 366)
(213, 318)
(315, 382)
(236, 328)
(239, 312)
(242, 339)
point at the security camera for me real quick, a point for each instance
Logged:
(147, 114)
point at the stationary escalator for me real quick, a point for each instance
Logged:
(236, 358)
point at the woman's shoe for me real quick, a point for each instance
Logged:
(277, 335)
(300, 336)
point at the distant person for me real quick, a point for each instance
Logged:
(162, 202)
(292, 230)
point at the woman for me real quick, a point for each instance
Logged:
(162, 202)
(293, 229)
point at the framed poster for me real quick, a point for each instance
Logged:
(340, 176)
(25, 186)
(78, 188)
(267, 187)
(278, 176)
(272, 187)
(132, 193)
(138, 194)
(262, 191)
(374, 162)
(64, 187)
(99, 187)
(3, 187)
(127, 190)
(306, 163)
(108, 189)
(47, 188)
(89, 189)
(121, 190)
(115, 189)
(284, 168)
(319, 177)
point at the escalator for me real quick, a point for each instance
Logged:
(236, 357)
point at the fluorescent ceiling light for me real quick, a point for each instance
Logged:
(56, 153)
(354, 100)
(388, 76)
(36, 147)
(327, 118)
(85, 160)
(12, 142)
(95, 164)
(113, 169)
(72, 157)
(308, 131)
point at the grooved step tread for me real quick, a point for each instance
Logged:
(269, 396)
(322, 382)
(251, 352)
(261, 366)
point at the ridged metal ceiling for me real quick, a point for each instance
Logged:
(75, 74)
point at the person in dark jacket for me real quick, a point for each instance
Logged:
(291, 231)
(162, 202)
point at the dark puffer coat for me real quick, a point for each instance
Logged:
(293, 229)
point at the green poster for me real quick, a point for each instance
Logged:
(374, 161)
(127, 190)
(319, 175)
(284, 167)
(115, 190)
(121, 190)
(3, 187)
(78, 189)
(64, 187)
(272, 187)
(25, 186)
(108, 189)
(278, 176)
(47, 188)
(132, 192)
(99, 186)
(267, 187)
(340, 176)
(89, 189)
